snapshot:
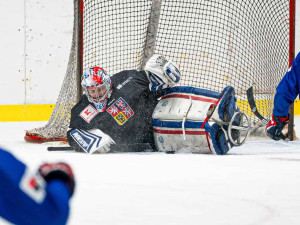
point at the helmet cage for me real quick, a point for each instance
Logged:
(95, 78)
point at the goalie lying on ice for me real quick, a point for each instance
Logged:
(196, 120)
(118, 109)
(185, 118)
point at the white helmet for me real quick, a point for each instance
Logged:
(96, 85)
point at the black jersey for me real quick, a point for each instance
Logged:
(128, 116)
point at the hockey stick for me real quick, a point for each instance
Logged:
(252, 104)
(60, 148)
(253, 108)
(136, 147)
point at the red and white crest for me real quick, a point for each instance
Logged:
(88, 113)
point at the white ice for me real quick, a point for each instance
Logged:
(258, 183)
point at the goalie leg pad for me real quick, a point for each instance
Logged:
(227, 106)
(226, 109)
(184, 101)
(219, 139)
(182, 108)
(170, 136)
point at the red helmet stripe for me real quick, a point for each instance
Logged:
(98, 79)
(97, 68)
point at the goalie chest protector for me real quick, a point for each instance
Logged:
(180, 119)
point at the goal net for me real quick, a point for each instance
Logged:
(214, 42)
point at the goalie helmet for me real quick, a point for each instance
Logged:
(97, 86)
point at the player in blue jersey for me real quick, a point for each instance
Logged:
(34, 198)
(286, 93)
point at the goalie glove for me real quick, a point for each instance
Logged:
(275, 126)
(161, 73)
(91, 141)
(58, 171)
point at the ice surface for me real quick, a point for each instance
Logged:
(258, 183)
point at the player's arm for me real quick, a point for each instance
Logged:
(161, 73)
(44, 196)
(288, 89)
(286, 93)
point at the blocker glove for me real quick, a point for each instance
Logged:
(275, 126)
(60, 171)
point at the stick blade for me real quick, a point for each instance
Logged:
(252, 104)
(59, 148)
(250, 98)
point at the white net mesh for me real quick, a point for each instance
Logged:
(215, 43)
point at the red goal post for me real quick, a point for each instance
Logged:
(215, 43)
(291, 134)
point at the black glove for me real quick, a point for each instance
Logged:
(62, 171)
(275, 126)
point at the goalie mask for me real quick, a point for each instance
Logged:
(97, 86)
